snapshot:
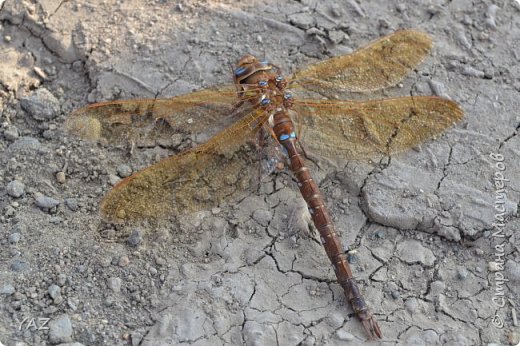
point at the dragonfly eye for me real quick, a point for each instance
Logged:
(265, 102)
(240, 71)
(279, 78)
(262, 83)
(287, 96)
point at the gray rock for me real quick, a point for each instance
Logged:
(124, 261)
(473, 72)
(343, 335)
(411, 305)
(135, 238)
(24, 144)
(491, 16)
(114, 283)
(124, 171)
(15, 189)
(46, 202)
(60, 329)
(71, 203)
(62, 279)
(54, 291)
(136, 338)
(11, 133)
(7, 289)
(19, 265)
(14, 237)
(41, 105)
(113, 179)
(302, 20)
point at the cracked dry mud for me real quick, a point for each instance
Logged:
(419, 226)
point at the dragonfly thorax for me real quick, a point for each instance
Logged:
(261, 83)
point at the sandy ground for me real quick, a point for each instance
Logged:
(432, 233)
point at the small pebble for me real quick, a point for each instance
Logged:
(513, 337)
(54, 291)
(9, 211)
(411, 305)
(60, 177)
(135, 238)
(41, 104)
(71, 303)
(15, 189)
(62, 279)
(302, 20)
(114, 283)
(160, 261)
(71, 203)
(473, 72)
(39, 72)
(45, 202)
(14, 238)
(401, 8)
(490, 16)
(113, 179)
(462, 273)
(124, 171)
(380, 234)
(7, 289)
(124, 261)
(11, 133)
(336, 11)
(60, 330)
(344, 335)
(19, 265)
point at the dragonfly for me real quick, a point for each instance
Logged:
(260, 107)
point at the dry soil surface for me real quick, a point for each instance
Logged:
(432, 233)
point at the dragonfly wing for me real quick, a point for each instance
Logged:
(194, 180)
(364, 130)
(150, 121)
(381, 64)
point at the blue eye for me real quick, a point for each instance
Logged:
(262, 83)
(240, 71)
(265, 102)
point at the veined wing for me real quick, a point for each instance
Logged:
(364, 130)
(381, 64)
(150, 121)
(196, 179)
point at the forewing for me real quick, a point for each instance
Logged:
(365, 130)
(197, 179)
(381, 64)
(148, 122)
